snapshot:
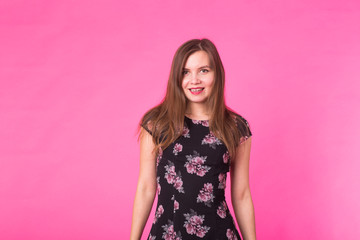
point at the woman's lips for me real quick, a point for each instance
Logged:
(197, 92)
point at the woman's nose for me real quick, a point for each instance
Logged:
(194, 78)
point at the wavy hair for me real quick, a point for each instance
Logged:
(165, 121)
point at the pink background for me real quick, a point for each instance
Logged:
(76, 77)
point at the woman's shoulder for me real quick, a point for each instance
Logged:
(147, 121)
(150, 120)
(241, 123)
(147, 125)
(238, 117)
(152, 124)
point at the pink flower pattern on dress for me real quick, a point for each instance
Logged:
(151, 237)
(243, 139)
(221, 211)
(158, 186)
(195, 164)
(222, 181)
(185, 132)
(206, 194)
(176, 203)
(173, 178)
(211, 139)
(230, 234)
(205, 123)
(159, 156)
(169, 233)
(226, 156)
(158, 213)
(177, 148)
(193, 224)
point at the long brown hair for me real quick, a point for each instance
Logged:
(166, 120)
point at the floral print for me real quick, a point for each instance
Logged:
(173, 178)
(159, 156)
(226, 157)
(212, 140)
(158, 213)
(190, 176)
(177, 148)
(243, 139)
(221, 211)
(176, 203)
(169, 233)
(222, 181)
(206, 194)
(230, 234)
(195, 164)
(151, 237)
(193, 224)
(158, 186)
(186, 132)
(205, 123)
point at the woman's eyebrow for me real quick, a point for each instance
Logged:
(205, 66)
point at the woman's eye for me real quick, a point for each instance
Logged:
(185, 72)
(205, 70)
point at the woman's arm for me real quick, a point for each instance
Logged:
(240, 191)
(146, 187)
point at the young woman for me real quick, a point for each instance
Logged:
(188, 143)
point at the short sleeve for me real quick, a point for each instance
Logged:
(248, 128)
(145, 126)
(243, 126)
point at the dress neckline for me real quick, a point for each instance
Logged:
(196, 119)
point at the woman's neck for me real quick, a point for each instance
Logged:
(198, 111)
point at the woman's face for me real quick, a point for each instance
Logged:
(198, 76)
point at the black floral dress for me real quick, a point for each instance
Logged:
(191, 181)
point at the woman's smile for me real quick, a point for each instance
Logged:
(196, 91)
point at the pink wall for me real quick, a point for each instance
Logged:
(75, 80)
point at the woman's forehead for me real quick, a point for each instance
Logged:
(198, 59)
